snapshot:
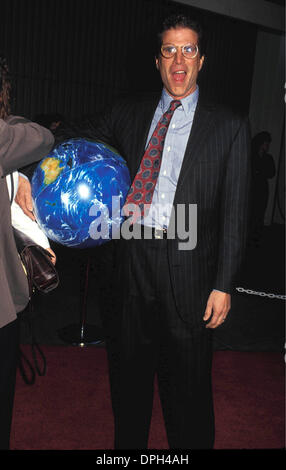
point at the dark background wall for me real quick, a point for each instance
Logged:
(75, 56)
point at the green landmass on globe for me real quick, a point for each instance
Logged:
(52, 169)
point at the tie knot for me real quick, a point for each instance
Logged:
(174, 105)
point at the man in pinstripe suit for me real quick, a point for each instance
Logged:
(169, 297)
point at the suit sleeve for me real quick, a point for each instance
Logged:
(22, 142)
(104, 126)
(234, 211)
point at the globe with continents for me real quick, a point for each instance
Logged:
(78, 192)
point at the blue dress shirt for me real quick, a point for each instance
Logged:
(172, 157)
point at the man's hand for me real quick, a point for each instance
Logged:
(24, 197)
(218, 306)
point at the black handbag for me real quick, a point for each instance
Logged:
(41, 272)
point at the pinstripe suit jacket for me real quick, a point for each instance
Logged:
(214, 176)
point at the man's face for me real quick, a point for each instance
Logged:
(179, 74)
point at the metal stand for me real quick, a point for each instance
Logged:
(82, 334)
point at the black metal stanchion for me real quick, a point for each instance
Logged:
(82, 334)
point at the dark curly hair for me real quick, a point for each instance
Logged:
(180, 20)
(5, 88)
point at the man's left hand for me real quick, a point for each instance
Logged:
(218, 306)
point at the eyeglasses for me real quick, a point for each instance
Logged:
(190, 51)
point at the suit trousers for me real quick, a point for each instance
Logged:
(146, 337)
(9, 349)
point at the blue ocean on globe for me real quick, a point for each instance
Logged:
(78, 192)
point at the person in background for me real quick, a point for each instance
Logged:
(263, 169)
(51, 121)
(21, 142)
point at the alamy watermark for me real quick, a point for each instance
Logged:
(182, 222)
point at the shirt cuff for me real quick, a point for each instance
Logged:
(24, 176)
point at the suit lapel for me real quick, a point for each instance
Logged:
(147, 111)
(203, 119)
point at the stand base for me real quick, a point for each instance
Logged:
(79, 335)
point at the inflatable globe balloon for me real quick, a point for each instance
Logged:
(78, 192)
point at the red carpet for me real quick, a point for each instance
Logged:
(69, 408)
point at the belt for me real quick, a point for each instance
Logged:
(152, 232)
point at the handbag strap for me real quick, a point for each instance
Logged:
(24, 362)
(12, 188)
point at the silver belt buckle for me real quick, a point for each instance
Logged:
(159, 233)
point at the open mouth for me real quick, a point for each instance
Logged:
(179, 75)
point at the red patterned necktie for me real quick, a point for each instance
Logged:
(140, 194)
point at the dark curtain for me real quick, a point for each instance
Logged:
(75, 56)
